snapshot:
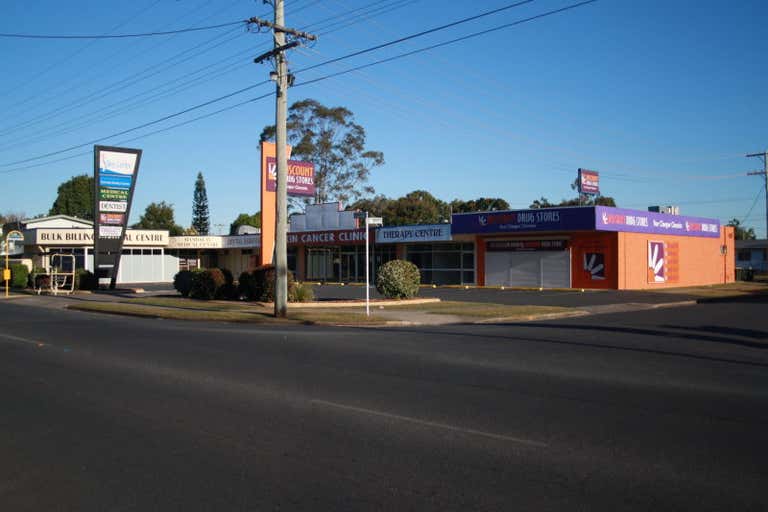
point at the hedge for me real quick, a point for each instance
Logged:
(398, 279)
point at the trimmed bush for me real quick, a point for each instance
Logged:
(246, 286)
(42, 281)
(398, 279)
(206, 284)
(85, 280)
(19, 275)
(182, 282)
(264, 277)
(302, 293)
(228, 278)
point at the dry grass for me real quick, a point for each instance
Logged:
(736, 289)
(481, 310)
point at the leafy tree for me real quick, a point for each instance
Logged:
(375, 206)
(245, 219)
(159, 216)
(741, 233)
(200, 215)
(330, 138)
(417, 207)
(75, 198)
(481, 204)
(10, 221)
(543, 202)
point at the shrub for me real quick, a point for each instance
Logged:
(85, 280)
(264, 287)
(246, 286)
(42, 281)
(398, 279)
(228, 278)
(228, 291)
(182, 282)
(302, 293)
(206, 284)
(19, 275)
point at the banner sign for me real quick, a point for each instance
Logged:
(215, 242)
(525, 245)
(336, 237)
(544, 219)
(618, 219)
(422, 233)
(114, 171)
(301, 177)
(589, 182)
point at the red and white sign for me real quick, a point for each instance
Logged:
(301, 177)
(336, 237)
(589, 182)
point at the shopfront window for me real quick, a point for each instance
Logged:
(449, 263)
(65, 264)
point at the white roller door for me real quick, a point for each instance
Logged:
(540, 269)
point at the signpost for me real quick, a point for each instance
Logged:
(12, 236)
(369, 221)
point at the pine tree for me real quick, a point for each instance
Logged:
(200, 216)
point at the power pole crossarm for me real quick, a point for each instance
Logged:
(279, 28)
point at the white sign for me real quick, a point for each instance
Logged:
(425, 233)
(110, 231)
(113, 206)
(214, 242)
(133, 237)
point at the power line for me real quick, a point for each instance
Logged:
(215, 100)
(122, 84)
(124, 36)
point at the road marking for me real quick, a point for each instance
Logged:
(23, 340)
(490, 435)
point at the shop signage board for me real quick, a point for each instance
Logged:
(214, 242)
(619, 219)
(336, 237)
(115, 171)
(301, 177)
(409, 234)
(589, 182)
(520, 221)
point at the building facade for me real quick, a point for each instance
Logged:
(577, 247)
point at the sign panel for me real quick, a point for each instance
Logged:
(618, 219)
(115, 171)
(403, 234)
(544, 219)
(301, 177)
(214, 242)
(525, 245)
(336, 237)
(594, 265)
(656, 262)
(589, 182)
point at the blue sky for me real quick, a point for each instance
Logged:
(663, 98)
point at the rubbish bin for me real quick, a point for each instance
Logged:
(745, 274)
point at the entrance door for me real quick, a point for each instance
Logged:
(349, 267)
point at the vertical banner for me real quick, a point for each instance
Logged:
(268, 202)
(657, 269)
(114, 179)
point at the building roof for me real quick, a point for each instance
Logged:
(57, 221)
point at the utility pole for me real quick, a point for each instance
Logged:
(764, 174)
(282, 81)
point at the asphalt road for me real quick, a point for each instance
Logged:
(657, 410)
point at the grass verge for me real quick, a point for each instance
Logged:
(256, 314)
(482, 310)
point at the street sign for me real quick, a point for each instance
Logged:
(6, 274)
(375, 221)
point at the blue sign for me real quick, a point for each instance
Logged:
(117, 182)
(544, 219)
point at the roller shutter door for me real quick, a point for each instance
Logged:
(544, 269)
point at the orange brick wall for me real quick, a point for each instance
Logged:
(691, 261)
